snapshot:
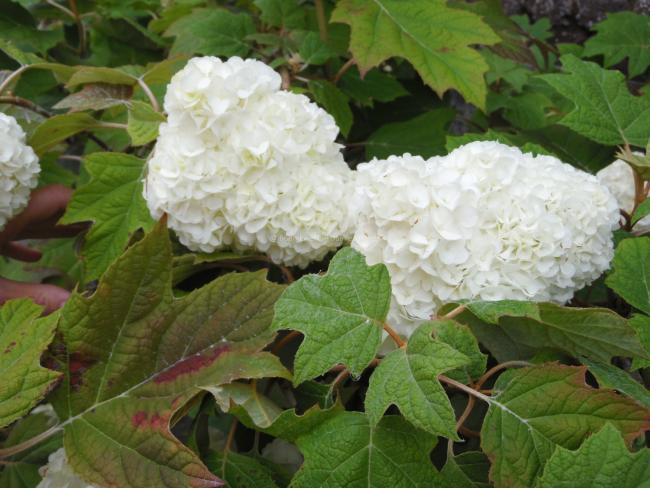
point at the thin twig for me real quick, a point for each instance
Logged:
(24, 103)
(150, 95)
(23, 446)
(395, 336)
(80, 27)
(467, 389)
(229, 441)
(285, 340)
(454, 313)
(339, 74)
(286, 78)
(322, 20)
(11, 77)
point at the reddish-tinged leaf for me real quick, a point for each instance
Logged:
(136, 355)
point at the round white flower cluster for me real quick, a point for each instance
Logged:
(485, 222)
(619, 178)
(57, 473)
(241, 164)
(19, 169)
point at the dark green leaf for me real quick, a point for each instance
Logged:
(334, 101)
(631, 275)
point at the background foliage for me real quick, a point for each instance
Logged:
(168, 368)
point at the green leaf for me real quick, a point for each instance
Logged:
(215, 32)
(240, 471)
(340, 314)
(631, 276)
(622, 35)
(112, 199)
(605, 111)
(143, 123)
(135, 355)
(95, 96)
(23, 339)
(467, 470)
(407, 378)
(260, 410)
(515, 74)
(286, 14)
(515, 330)
(460, 337)
(334, 101)
(59, 128)
(434, 38)
(314, 51)
(641, 323)
(374, 86)
(21, 469)
(423, 135)
(602, 461)
(609, 376)
(92, 74)
(453, 142)
(641, 211)
(547, 406)
(18, 26)
(348, 452)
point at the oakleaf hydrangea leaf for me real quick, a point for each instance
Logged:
(259, 408)
(602, 461)
(622, 35)
(135, 355)
(467, 470)
(605, 111)
(434, 38)
(349, 452)
(23, 338)
(515, 330)
(407, 377)
(143, 122)
(631, 276)
(546, 406)
(610, 376)
(460, 337)
(113, 200)
(341, 315)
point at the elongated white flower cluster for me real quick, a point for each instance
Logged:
(485, 222)
(57, 473)
(19, 169)
(241, 164)
(618, 177)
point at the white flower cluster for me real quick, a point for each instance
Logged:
(619, 178)
(241, 164)
(19, 169)
(485, 222)
(57, 473)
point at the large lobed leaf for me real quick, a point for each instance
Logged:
(434, 38)
(547, 406)
(113, 200)
(135, 355)
(605, 111)
(631, 276)
(23, 338)
(516, 330)
(341, 315)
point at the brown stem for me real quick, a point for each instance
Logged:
(285, 340)
(454, 313)
(339, 74)
(286, 78)
(80, 27)
(11, 77)
(322, 20)
(24, 103)
(286, 272)
(395, 336)
(639, 190)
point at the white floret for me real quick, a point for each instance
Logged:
(19, 169)
(619, 178)
(247, 166)
(485, 222)
(57, 473)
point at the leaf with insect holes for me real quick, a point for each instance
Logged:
(434, 38)
(113, 200)
(547, 406)
(23, 339)
(407, 378)
(347, 451)
(602, 461)
(622, 35)
(516, 330)
(340, 314)
(604, 110)
(631, 275)
(135, 355)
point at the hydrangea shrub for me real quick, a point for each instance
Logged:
(335, 243)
